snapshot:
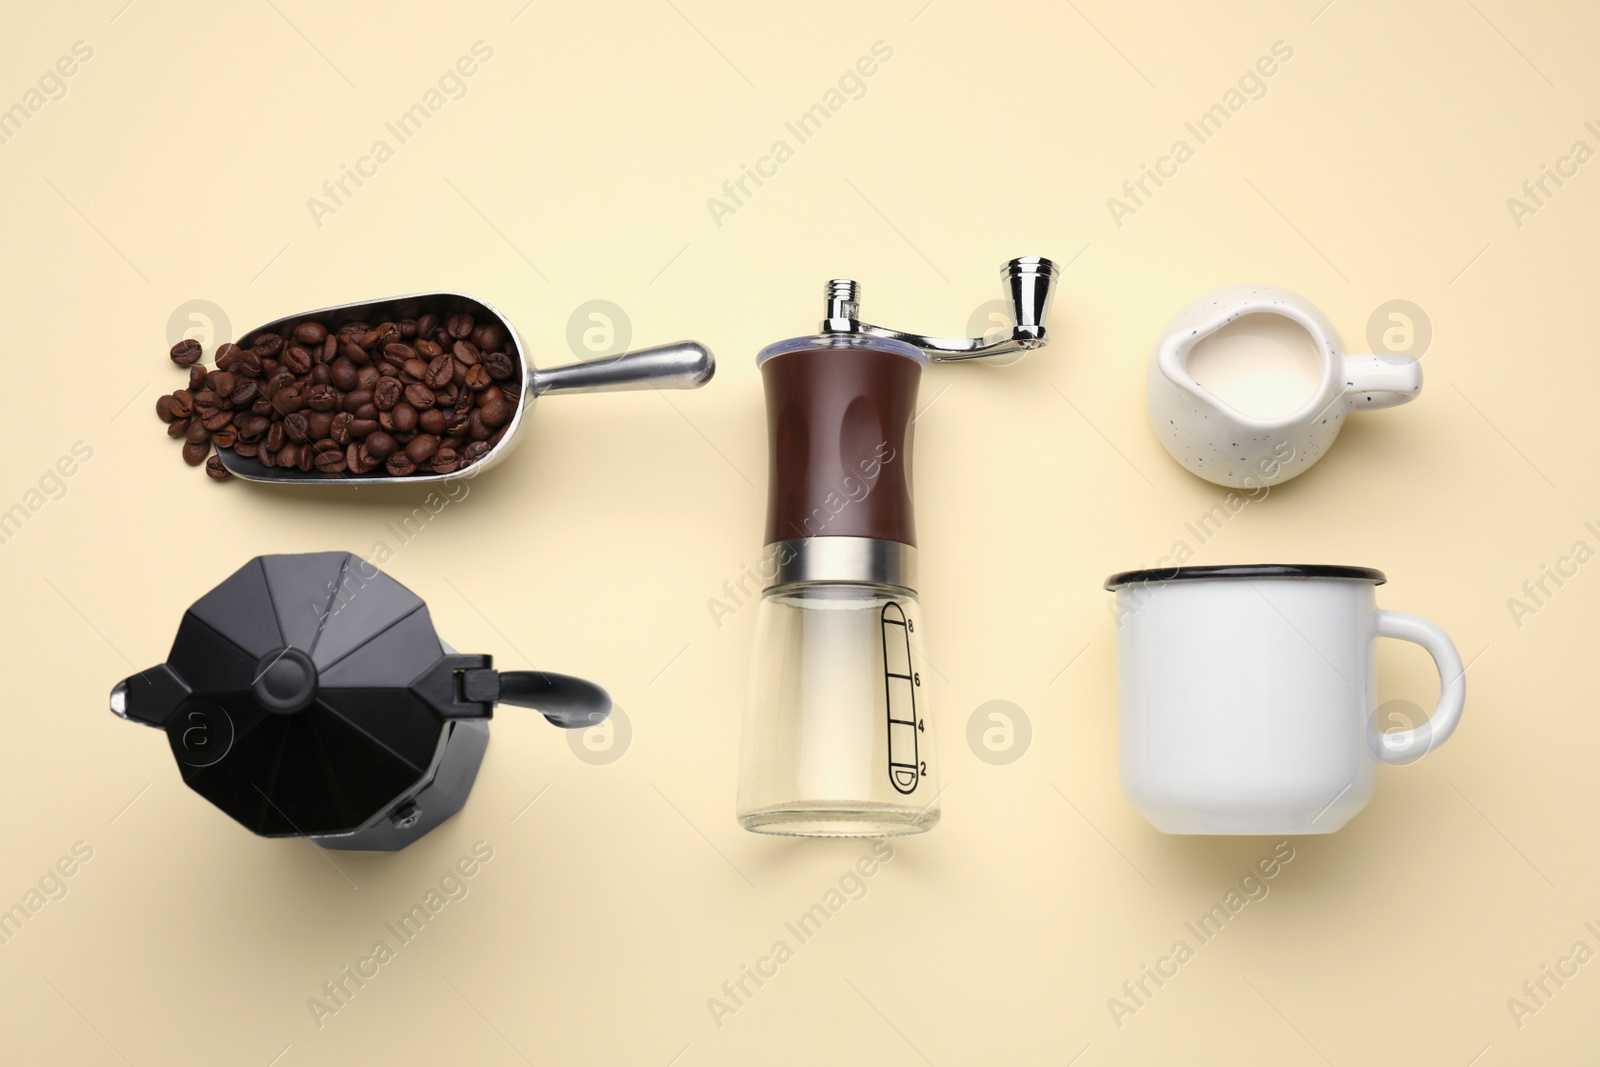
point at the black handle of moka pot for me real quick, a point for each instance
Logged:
(571, 703)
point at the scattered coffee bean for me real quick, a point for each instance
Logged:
(194, 453)
(216, 470)
(187, 352)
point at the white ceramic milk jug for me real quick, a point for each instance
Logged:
(1284, 428)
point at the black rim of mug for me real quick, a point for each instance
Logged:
(1245, 570)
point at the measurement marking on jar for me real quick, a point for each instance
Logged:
(900, 684)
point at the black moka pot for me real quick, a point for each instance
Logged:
(308, 695)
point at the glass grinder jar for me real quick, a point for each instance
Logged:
(838, 740)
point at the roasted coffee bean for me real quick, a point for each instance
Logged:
(322, 398)
(247, 449)
(216, 470)
(227, 355)
(500, 366)
(496, 413)
(415, 369)
(221, 382)
(426, 324)
(489, 336)
(466, 352)
(355, 400)
(440, 372)
(367, 377)
(344, 374)
(198, 434)
(330, 350)
(178, 427)
(445, 461)
(366, 411)
(296, 427)
(354, 353)
(164, 407)
(187, 352)
(428, 350)
(320, 422)
(275, 436)
(459, 326)
(477, 377)
(421, 447)
(339, 428)
(267, 345)
(320, 375)
(244, 394)
(432, 421)
(419, 396)
(398, 353)
(253, 428)
(387, 393)
(297, 360)
(266, 457)
(358, 460)
(400, 465)
(195, 452)
(219, 420)
(275, 381)
(477, 429)
(459, 423)
(474, 451)
(360, 428)
(197, 377)
(261, 406)
(246, 363)
(288, 456)
(310, 333)
(289, 399)
(331, 463)
(182, 404)
(380, 444)
(225, 437)
(405, 417)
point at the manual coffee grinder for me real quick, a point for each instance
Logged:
(838, 740)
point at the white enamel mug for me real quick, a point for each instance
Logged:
(1229, 446)
(1247, 695)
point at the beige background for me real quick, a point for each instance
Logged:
(177, 167)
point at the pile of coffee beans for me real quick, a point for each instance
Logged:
(425, 395)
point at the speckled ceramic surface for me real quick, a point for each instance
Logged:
(1223, 445)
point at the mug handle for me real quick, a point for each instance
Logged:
(1381, 381)
(1407, 746)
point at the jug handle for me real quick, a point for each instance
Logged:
(1381, 381)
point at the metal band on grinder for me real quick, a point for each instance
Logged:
(840, 559)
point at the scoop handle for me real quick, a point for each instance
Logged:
(571, 703)
(681, 365)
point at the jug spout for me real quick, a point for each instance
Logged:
(150, 696)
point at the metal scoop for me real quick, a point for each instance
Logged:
(683, 365)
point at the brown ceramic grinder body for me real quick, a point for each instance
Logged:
(839, 436)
